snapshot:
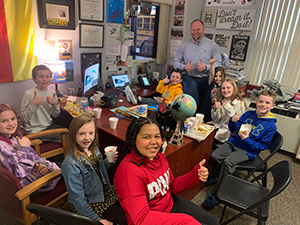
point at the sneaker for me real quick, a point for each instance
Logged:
(209, 202)
(210, 181)
(130, 95)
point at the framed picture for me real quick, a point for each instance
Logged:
(239, 47)
(91, 10)
(208, 17)
(56, 14)
(91, 36)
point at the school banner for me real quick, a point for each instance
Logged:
(16, 40)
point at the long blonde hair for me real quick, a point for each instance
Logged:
(235, 94)
(75, 125)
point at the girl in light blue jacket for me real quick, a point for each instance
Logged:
(85, 174)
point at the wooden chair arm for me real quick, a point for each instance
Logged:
(47, 132)
(29, 189)
(35, 142)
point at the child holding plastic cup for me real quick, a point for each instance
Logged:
(228, 104)
(85, 174)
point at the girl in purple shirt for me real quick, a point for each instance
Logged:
(17, 156)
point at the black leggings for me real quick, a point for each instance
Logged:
(115, 214)
(182, 205)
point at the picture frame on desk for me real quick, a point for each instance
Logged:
(91, 10)
(91, 36)
(56, 14)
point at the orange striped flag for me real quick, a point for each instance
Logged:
(16, 40)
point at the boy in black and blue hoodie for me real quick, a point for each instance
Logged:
(244, 145)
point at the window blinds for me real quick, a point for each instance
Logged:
(277, 44)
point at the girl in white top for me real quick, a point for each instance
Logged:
(228, 104)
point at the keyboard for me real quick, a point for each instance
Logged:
(111, 93)
(122, 89)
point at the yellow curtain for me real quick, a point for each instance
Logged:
(20, 31)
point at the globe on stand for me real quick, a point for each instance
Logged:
(182, 107)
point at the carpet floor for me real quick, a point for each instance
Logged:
(284, 208)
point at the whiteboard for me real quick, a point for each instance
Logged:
(235, 19)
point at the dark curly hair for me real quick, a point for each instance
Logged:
(132, 131)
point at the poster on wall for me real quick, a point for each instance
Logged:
(69, 71)
(174, 47)
(179, 7)
(235, 19)
(177, 33)
(112, 30)
(208, 17)
(178, 21)
(113, 47)
(65, 49)
(222, 40)
(115, 11)
(229, 3)
(239, 47)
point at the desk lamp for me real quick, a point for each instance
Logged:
(58, 69)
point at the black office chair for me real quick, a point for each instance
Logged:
(258, 164)
(59, 217)
(250, 198)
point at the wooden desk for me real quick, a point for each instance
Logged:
(182, 159)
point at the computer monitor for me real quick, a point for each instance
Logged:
(91, 77)
(121, 80)
(90, 71)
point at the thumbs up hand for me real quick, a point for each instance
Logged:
(212, 61)
(37, 100)
(235, 117)
(201, 66)
(166, 80)
(203, 171)
(217, 104)
(52, 99)
(24, 141)
(188, 67)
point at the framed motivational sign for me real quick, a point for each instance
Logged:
(235, 19)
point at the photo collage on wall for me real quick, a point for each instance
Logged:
(177, 29)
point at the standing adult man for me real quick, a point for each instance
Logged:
(193, 56)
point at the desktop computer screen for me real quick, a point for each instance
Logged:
(91, 75)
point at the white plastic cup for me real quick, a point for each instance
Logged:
(200, 117)
(97, 112)
(245, 128)
(155, 75)
(113, 121)
(110, 152)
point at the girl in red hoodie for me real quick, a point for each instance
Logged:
(146, 186)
